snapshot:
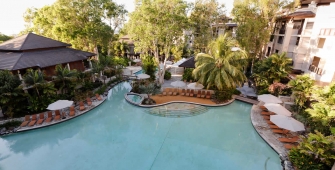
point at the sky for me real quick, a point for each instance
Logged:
(11, 12)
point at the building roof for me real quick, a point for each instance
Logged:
(302, 14)
(40, 58)
(190, 63)
(30, 41)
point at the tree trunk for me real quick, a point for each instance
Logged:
(96, 51)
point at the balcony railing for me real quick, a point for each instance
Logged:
(315, 69)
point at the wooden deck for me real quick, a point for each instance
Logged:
(247, 100)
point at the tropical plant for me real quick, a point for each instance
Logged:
(302, 87)
(65, 76)
(314, 152)
(222, 67)
(272, 69)
(279, 89)
(167, 75)
(322, 118)
(149, 66)
(187, 75)
(34, 78)
(11, 93)
(150, 89)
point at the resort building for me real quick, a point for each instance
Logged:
(38, 52)
(307, 36)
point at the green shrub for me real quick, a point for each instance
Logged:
(102, 89)
(188, 75)
(236, 92)
(167, 75)
(223, 96)
(314, 152)
(10, 124)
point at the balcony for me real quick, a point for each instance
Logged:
(282, 31)
(315, 69)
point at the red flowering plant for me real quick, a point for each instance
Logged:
(279, 89)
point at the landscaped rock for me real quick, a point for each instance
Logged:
(288, 165)
(3, 130)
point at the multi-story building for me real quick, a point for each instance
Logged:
(308, 37)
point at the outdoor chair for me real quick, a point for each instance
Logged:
(269, 122)
(192, 93)
(81, 106)
(49, 117)
(208, 95)
(175, 92)
(275, 127)
(89, 101)
(199, 94)
(267, 113)
(266, 117)
(289, 140)
(169, 92)
(98, 97)
(57, 115)
(263, 108)
(33, 120)
(182, 92)
(26, 121)
(188, 92)
(289, 146)
(40, 119)
(164, 92)
(284, 131)
(72, 111)
(203, 94)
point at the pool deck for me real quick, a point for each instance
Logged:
(78, 113)
(264, 130)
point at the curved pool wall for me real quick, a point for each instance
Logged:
(117, 135)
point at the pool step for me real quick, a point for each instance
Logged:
(182, 110)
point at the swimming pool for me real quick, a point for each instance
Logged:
(117, 135)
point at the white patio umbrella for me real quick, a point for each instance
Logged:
(268, 98)
(143, 76)
(137, 60)
(287, 123)
(195, 86)
(59, 104)
(178, 84)
(278, 109)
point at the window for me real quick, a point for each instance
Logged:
(277, 51)
(317, 65)
(309, 25)
(269, 50)
(280, 39)
(321, 42)
(297, 42)
(327, 31)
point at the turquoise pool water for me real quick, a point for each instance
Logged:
(119, 136)
(138, 72)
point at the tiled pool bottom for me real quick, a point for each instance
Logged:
(117, 135)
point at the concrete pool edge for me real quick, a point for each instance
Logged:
(278, 147)
(150, 106)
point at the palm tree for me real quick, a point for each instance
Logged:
(34, 78)
(223, 66)
(280, 65)
(64, 75)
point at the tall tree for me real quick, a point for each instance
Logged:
(11, 93)
(256, 20)
(158, 23)
(204, 15)
(223, 66)
(4, 37)
(82, 23)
